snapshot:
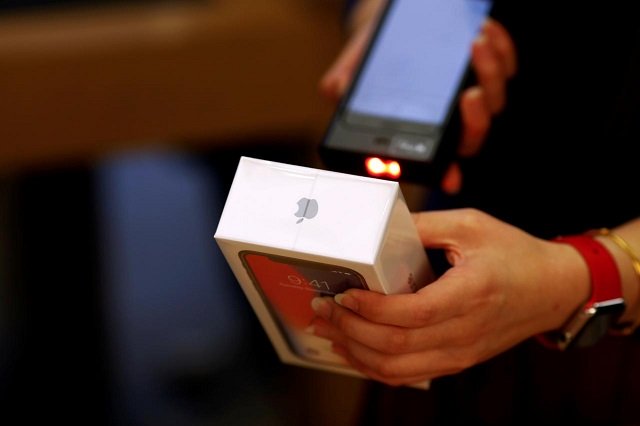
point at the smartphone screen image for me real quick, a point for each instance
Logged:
(288, 285)
(402, 103)
(400, 82)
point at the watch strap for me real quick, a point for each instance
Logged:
(592, 320)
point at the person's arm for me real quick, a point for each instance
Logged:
(493, 59)
(504, 286)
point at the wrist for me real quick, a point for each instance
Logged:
(568, 283)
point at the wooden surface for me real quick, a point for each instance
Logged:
(78, 84)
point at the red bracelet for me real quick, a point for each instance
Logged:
(604, 302)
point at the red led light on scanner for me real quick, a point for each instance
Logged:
(379, 168)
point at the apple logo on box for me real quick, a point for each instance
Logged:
(307, 209)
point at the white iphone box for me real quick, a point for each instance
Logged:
(292, 233)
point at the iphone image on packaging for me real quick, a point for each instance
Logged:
(287, 286)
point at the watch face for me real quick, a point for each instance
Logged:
(593, 331)
(288, 286)
(602, 317)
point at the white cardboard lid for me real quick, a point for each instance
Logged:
(352, 211)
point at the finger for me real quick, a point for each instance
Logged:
(476, 119)
(322, 328)
(335, 81)
(489, 73)
(341, 325)
(345, 325)
(437, 302)
(503, 45)
(362, 368)
(449, 229)
(452, 180)
(401, 368)
(395, 340)
(337, 322)
(364, 13)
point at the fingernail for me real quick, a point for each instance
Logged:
(481, 39)
(347, 301)
(321, 307)
(474, 92)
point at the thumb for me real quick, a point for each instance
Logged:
(448, 230)
(335, 81)
(444, 228)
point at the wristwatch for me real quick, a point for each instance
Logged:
(592, 320)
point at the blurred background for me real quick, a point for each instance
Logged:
(121, 124)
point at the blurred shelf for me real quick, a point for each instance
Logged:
(79, 83)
